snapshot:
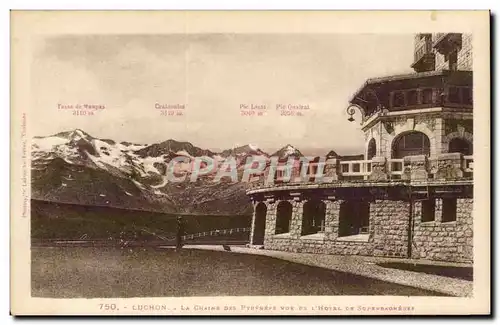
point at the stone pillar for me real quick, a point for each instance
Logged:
(333, 213)
(438, 211)
(296, 221)
(465, 238)
(328, 218)
(331, 169)
(449, 166)
(415, 168)
(252, 226)
(379, 169)
(270, 219)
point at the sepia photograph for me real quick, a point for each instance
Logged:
(250, 167)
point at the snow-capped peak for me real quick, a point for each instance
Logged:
(253, 147)
(79, 132)
(289, 149)
(286, 151)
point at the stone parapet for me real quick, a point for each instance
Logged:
(415, 168)
(448, 166)
(379, 169)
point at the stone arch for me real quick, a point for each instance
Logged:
(410, 127)
(313, 217)
(410, 143)
(371, 150)
(283, 217)
(259, 223)
(460, 145)
(466, 136)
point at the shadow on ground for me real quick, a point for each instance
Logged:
(465, 273)
(86, 272)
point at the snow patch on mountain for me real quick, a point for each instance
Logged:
(48, 143)
(162, 184)
(253, 147)
(183, 153)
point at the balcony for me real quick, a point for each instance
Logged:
(424, 58)
(446, 43)
(445, 168)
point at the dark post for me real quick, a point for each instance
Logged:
(180, 233)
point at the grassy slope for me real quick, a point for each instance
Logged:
(51, 220)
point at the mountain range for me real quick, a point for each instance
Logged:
(75, 167)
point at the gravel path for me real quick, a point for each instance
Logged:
(365, 266)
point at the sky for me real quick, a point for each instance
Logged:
(212, 75)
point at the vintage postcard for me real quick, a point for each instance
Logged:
(250, 163)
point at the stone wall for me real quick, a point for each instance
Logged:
(448, 241)
(388, 232)
(390, 221)
(387, 236)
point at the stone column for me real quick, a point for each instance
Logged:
(465, 236)
(296, 220)
(270, 219)
(379, 169)
(331, 169)
(438, 211)
(449, 166)
(252, 227)
(333, 213)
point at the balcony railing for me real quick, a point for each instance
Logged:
(356, 168)
(396, 167)
(468, 164)
(408, 168)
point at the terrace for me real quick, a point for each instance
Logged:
(379, 171)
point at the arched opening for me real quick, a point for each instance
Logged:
(259, 225)
(354, 218)
(372, 149)
(460, 145)
(283, 217)
(313, 217)
(412, 143)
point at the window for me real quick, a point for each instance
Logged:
(372, 149)
(398, 99)
(313, 218)
(467, 95)
(449, 210)
(427, 96)
(412, 97)
(411, 144)
(454, 95)
(283, 217)
(354, 218)
(460, 145)
(428, 210)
